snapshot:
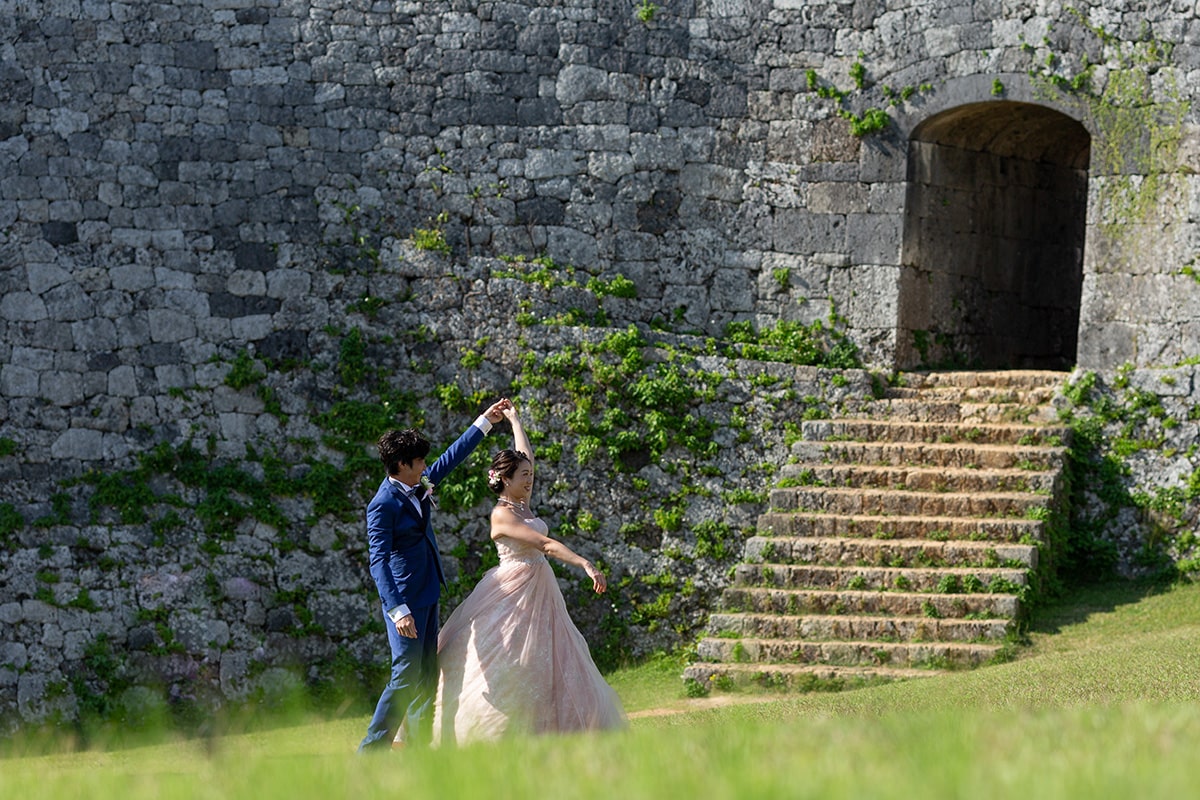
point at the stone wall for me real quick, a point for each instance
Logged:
(1136, 463)
(203, 543)
(206, 217)
(703, 152)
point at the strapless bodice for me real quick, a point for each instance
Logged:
(513, 550)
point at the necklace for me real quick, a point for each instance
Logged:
(519, 506)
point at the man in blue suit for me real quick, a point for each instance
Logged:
(407, 569)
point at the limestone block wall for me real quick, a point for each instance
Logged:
(202, 201)
(203, 543)
(705, 152)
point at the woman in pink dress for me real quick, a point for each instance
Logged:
(511, 659)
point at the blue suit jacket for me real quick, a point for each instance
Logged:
(403, 550)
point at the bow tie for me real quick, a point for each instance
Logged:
(420, 493)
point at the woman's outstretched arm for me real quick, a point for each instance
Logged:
(520, 438)
(516, 528)
(558, 550)
(509, 524)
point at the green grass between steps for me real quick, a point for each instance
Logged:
(1104, 703)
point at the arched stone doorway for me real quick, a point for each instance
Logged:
(993, 239)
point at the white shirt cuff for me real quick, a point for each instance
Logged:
(397, 613)
(484, 424)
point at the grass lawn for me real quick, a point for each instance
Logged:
(1102, 703)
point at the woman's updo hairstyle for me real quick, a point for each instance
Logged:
(504, 465)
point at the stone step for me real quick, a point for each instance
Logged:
(876, 628)
(943, 580)
(876, 430)
(873, 526)
(798, 677)
(1007, 379)
(931, 454)
(833, 601)
(928, 479)
(848, 653)
(952, 409)
(897, 542)
(1031, 396)
(839, 551)
(905, 503)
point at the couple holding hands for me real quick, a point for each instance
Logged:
(509, 660)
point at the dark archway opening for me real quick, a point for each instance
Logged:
(993, 239)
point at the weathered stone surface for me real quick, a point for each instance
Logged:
(179, 190)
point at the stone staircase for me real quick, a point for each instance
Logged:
(901, 543)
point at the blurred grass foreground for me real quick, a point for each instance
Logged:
(1102, 703)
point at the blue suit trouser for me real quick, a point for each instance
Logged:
(409, 695)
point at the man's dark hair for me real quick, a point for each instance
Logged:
(401, 447)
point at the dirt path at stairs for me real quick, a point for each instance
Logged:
(701, 704)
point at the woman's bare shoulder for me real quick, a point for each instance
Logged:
(501, 518)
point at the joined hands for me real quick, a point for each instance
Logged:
(497, 411)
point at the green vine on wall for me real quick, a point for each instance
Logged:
(633, 401)
(646, 12)
(1138, 114)
(1111, 423)
(873, 119)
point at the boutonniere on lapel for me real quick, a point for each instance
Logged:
(428, 486)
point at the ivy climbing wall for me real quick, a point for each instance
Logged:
(239, 239)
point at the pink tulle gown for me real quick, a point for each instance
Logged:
(513, 662)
